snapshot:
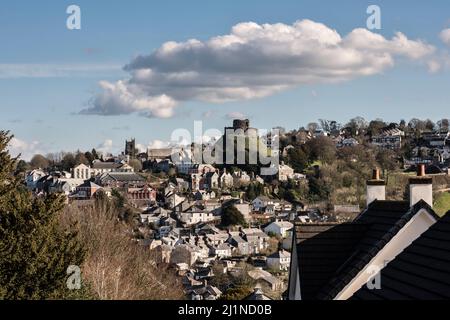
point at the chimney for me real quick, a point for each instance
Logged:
(421, 187)
(376, 188)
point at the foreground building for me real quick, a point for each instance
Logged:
(335, 261)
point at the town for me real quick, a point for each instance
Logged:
(228, 231)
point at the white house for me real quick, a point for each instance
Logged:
(32, 178)
(261, 202)
(279, 228)
(285, 172)
(223, 250)
(279, 260)
(226, 180)
(82, 172)
(194, 217)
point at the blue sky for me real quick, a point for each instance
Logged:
(42, 109)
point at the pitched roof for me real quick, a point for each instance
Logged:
(257, 294)
(331, 255)
(123, 176)
(89, 184)
(421, 271)
(106, 165)
(321, 250)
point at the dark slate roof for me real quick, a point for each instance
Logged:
(421, 271)
(125, 176)
(106, 165)
(322, 249)
(330, 256)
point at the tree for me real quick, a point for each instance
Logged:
(136, 164)
(429, 125)
(39, 161)
(95, 154)
(375, 126)
(321, 148)
(68, 162)
(231, 216)
(312, 126)
(80, 158)
(35, 251)
(357, 125)
(298, 159)
(22, 166)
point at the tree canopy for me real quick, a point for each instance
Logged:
(35, 252)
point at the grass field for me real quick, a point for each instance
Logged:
(442, 203)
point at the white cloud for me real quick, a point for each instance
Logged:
(122, 98)
(25, 149)
(13, 71)
(235, 115)
(253, 61)
(434, 65)
(445, 36)
(105, 147)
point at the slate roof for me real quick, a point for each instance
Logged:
(257, 295)
(331, 255)
(123, 176)
(420, 272)
(106, 165)
(321, 250)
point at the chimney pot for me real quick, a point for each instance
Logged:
(421, 170)
(376, 174)
(376, 188)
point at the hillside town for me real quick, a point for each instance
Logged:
(229, 231)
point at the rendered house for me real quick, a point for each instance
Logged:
(280, 228)
(226, 180)
(279, 260)
(81, 171)
(33, 177)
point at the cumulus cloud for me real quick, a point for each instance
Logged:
(25, 149)
(445, 36)
(252, 61)
(124, 98)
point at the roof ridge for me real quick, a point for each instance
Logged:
(377, 247)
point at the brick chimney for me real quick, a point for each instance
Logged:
(376, 188)
(421, 187)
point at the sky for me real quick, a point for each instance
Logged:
(145, 68)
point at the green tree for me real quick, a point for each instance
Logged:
(231, 216)
(298, 159)
(38, 161)
(35, 251)
(95, 155)
(68, 162)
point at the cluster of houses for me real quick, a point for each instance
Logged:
(196, 252)
(84, 182)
